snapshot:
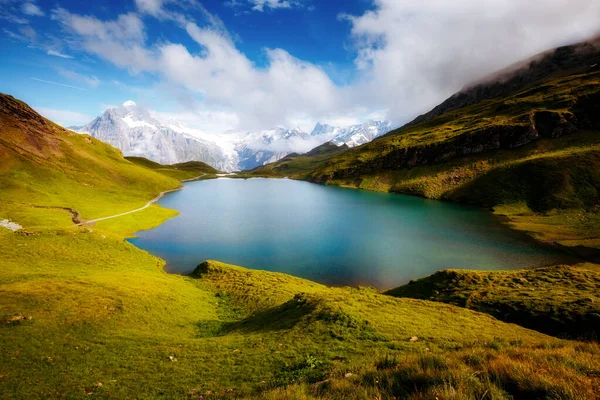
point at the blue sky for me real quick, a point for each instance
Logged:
(254, 64)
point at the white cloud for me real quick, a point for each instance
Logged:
(58, 84)
(58, 54)
(152, 7)
(32, 9)
(260, 5)
(410, 55)
(92, 81)
(415, 53)
(62, 117)
(287, 88)
(207, 120)
(120, 41)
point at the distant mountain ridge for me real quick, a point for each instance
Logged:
(354, 135)
(134, 131)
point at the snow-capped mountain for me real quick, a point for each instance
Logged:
(263, 147)
(354, 135)
(135, 131)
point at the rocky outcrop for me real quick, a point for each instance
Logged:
(553, 125)
(587, 111)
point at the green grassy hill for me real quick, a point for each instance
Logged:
(46, 170)
(560, 300)
(191, 170)
(297, 166)
(84, 314)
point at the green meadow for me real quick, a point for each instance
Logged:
(85, 314)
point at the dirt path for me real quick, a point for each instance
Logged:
(74, 214)
(148, 204)
(193, 179)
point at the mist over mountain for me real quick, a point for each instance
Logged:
(136, 132)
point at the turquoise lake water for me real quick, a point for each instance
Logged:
(331, 235)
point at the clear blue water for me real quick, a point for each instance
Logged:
(331, 235)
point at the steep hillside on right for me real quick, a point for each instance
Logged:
(525, 142)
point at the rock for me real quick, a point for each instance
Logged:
(201, 269)
(413, 339)
(15, 318)
(10, 225)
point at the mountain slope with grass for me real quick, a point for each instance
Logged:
(46, 169)
(525, 142)
(298, 166)
(560, 300)
(190, 170)
(84, 314)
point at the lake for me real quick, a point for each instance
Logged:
(332, 235)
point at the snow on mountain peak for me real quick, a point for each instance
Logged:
(138, 131)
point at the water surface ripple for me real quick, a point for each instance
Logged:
(331, 235)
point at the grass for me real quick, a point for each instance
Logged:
(128, 225)
(556, 95)
(497, 371)
(191, 170)
(105, 312)
(295, 165)
(42, 164)
(560, 300)
(83, 313)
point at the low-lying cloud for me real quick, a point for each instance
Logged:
(415, 53)
(409, 55)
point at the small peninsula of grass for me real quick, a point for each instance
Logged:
(191, 170)
(561, 300)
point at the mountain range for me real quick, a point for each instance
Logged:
(136, 132)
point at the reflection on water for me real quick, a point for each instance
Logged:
(331, 235)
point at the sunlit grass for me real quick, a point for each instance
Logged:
(84, 314)
(559, 300)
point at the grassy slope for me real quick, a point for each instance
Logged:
(548, 188)
(561, 300)
(42, 164)
(182, 171)
(82, 312)
(297, 166)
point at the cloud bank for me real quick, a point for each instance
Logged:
(415, 53)
(409, 55)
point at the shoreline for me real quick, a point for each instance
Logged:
(571, 257)
(148, 204)
(583, 254)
